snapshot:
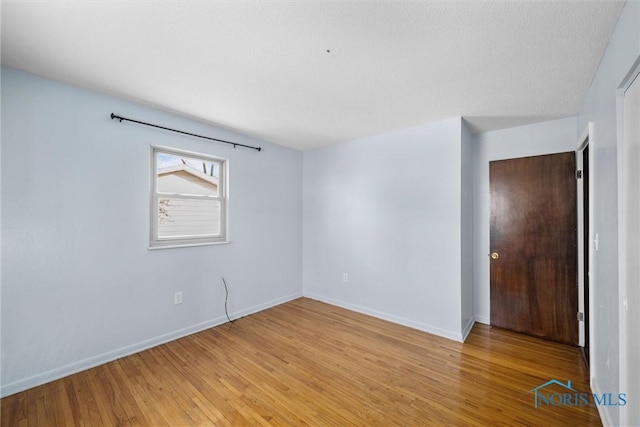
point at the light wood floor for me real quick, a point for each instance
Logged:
(309, 363)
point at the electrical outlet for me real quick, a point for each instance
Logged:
(345, 277)
(177, 298)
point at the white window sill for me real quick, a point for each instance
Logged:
(187, 245)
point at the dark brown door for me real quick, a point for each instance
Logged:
(533, 246)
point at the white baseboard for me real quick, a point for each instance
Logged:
(456, 336)
(602, 409)
(100, 359)
(467, 328)
(482, 319)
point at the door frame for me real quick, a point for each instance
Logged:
(585, 140)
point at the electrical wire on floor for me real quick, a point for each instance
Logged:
(226, 298)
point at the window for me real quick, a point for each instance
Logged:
(188, 199)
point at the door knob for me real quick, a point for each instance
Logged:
(495, 255)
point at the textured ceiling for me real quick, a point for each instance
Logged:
(307, 73)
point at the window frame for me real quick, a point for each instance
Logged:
(156, 242)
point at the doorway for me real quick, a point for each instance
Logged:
(533, 265)
(585, 248)
(584, 244)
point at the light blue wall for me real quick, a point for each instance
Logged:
(79, 286)
(599, 107)
(387, 211)
(554, 136)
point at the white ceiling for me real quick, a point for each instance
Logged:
(305, 74)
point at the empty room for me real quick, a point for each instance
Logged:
(323, 213)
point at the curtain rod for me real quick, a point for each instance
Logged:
(235, 144)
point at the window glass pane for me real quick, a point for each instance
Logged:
(187, 175)
(190, 207)
(178, 217)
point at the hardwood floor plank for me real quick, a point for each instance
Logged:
(88, 407)
(62, 407)
(309, 363)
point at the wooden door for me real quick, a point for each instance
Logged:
(533, 246)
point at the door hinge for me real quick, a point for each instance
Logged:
(578, 174)
(580, 317)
